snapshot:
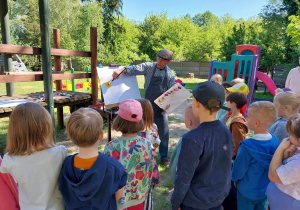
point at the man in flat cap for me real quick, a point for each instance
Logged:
(158, 79)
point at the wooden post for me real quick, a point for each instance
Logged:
(5, 32)
(46, 56)
(57, 66)
(93, 36)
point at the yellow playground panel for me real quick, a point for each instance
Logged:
(81, 83)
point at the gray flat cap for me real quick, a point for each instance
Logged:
(165, 54)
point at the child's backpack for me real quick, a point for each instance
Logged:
(8, 191)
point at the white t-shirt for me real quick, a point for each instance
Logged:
(289, 176)
(292, 80)
(37, 177)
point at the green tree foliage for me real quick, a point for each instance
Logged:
(205, 19)
(126, 43)
(274, 39)
(151, 37)
(111, 13)
(293, 29)
(90, 14)
(28, 29)
(202, 37)
(244, 32)
(237, 37)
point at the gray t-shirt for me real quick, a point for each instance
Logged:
(278, 128)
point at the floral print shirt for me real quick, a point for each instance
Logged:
(152, 135)
(135, 154)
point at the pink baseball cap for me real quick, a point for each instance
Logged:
(131, 110)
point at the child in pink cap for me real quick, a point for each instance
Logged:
(134, 153)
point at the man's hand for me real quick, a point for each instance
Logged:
(167, 107)
(118, 72)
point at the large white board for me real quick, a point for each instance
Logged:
(126, 87)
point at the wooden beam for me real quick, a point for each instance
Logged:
(28, 72)
(46, 58)
(71, 76)
(23, 50)
(94, 76)
(5, 32)
(57, 67)
(39, 77)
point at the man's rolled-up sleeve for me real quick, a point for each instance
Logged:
(140, 69)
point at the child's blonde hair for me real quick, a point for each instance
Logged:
(265, 111)
(293, 125)
(30, 129)
(84, 127)
(217, 78)
(147, 113)
(188, 113)
(287, 98)
(237, 80)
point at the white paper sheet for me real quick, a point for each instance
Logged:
(126, 87)
(12, 103)
(175, 96)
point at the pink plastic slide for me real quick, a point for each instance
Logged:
(267, 81)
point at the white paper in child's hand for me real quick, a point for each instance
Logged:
(173, 97)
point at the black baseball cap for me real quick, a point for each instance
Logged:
(165, 54)
(210, 90)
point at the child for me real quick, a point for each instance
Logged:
(191, 122)
(286, 104)
(31, 159)
(222, 114)
(150, 132)
(236, 123)
(241, 88)
(217, 78)
(284, 189)
(133, 152)
(89, 179)
(250, 168)
(237, 80)
(204, 164)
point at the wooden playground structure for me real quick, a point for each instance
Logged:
(9, 77)
(244, 64)
(76, 97)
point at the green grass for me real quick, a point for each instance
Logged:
(263, 95)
